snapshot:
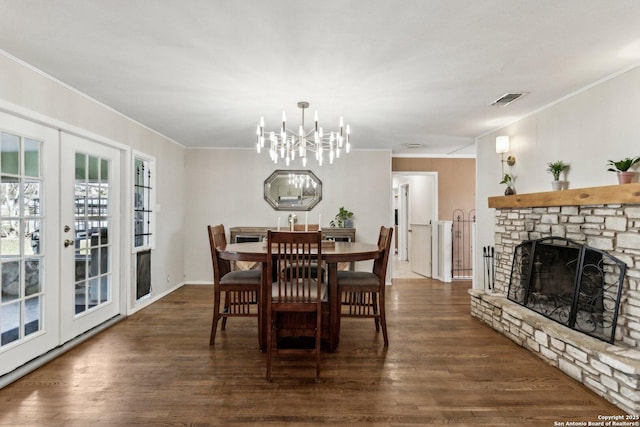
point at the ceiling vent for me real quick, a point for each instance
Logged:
(413, 145)
(507, 99)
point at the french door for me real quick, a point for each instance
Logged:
(29, 254)
(90, 230)
(59, 238)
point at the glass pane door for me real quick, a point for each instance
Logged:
(90, 209)
(20, 187)
(93, 280)
(28, 244)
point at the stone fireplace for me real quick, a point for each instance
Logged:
(604, 218)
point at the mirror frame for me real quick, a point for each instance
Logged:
(297, 203)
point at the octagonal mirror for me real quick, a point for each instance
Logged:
(292, 190)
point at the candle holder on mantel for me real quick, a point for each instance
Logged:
(293, 218)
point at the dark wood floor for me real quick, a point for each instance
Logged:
(442, 368)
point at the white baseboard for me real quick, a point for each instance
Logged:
(144, 302)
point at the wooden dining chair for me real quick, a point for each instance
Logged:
(296, 293)
(362, 293)
(241, 289)
(312, 227)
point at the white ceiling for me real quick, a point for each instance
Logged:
(202, 72)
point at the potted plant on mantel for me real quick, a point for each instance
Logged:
(343, 219)
(555, 169)
(508, 180)
(622, 168)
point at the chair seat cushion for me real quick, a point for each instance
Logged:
(242, 277)
(324, 295)
(357, 278)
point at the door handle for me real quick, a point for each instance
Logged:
(68, 242)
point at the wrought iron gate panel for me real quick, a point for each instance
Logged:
(461, 264)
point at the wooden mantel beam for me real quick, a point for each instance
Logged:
(624, 194)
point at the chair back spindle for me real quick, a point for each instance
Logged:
(297, 289)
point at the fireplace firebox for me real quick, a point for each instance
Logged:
(570, 283)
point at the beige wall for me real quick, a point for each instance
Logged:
(226, 186)
(456, 181)
(28, 93)
(584, 130)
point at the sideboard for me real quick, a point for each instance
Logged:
(256, 234)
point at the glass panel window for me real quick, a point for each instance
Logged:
(10, 326)
(31, 238)
(81, 297)
(104, 289)
(104, 171)
(32, 198)
(10, 196)
(33, 315)
(94, 293)
(10, 154)
(81, 265)
(143, 202)
(32, 158)
(32, 277)
(10, 240)
(21, 218)
(11, 281)
(21, 250)
(92, 193)
(81, 166)
(94, 173)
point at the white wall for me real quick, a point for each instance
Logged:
(422, 196)
(30, 93)
(584, 130)
(226, 186)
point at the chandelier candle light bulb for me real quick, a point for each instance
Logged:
(284, 144)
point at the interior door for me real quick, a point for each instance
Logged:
(90, 215)
(420, 250)
(403, 223)
(29, 251)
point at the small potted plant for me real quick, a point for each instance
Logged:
(343, 219)
(555, 169)
(622, 168)
(508, 180)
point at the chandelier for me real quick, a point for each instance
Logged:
(285, 144)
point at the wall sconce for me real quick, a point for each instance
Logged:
(502, 146)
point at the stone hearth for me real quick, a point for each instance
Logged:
(612, 371)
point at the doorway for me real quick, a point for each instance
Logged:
(60, 238)
(416, 203)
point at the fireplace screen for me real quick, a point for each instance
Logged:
(570, 283)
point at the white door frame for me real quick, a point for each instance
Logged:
(403, 235)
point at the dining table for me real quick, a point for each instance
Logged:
(333, 254)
